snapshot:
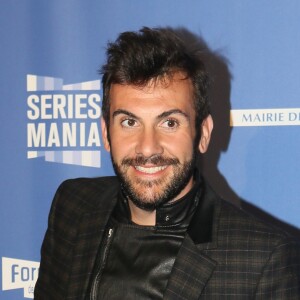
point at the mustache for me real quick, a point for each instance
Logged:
(154, 160)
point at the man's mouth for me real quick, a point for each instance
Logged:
(150, 170)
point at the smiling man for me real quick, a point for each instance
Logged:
(151, 137)
(157, 230)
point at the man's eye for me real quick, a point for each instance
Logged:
(129, 123)
(170, 123)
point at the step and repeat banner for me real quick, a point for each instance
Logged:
(51, 98)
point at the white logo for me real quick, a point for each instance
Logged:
(19, 274)
(63, 121)
(265, 117)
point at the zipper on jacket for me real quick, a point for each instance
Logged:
(103, 257)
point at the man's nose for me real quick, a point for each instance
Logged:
(149, 143)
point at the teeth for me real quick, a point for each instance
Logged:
(151, 170)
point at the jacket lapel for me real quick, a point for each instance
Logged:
(192, 268)
(190, 273)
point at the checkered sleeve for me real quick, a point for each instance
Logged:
(280, 278)
(53, 252)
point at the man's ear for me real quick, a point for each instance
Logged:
(206, 129)
(105, 135)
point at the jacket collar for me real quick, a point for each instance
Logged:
(204, 224)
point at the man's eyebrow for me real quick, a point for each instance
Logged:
(159, 117)
(171, 112)
(124, 112)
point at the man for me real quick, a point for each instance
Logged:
(157, 230)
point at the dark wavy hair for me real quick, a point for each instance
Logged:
(152, 54)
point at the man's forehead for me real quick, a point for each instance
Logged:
(180, 93)
(153, 100)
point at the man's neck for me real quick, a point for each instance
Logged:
(142, 217)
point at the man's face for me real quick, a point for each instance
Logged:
(151, 140)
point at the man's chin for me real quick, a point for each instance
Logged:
(145, 204)
(146, 198)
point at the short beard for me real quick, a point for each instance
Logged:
(171, 187)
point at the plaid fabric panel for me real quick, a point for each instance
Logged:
(254, 261)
